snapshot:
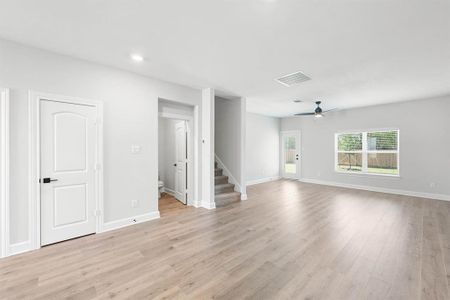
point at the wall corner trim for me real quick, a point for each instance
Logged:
(208, 205)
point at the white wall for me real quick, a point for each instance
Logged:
(262, 148)
(227, 134)
(424, 144)
(4, 167)
(130, 117)
(170, 107)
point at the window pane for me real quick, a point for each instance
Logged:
(382, 163)
(386, 140)
(350, 142)
(351, 162)
(290, 166)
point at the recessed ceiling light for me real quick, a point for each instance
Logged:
(298, 101)
(136, 57)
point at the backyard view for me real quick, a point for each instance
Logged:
(379, 150)
(290, 167)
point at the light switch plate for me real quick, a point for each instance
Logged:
(135, 149)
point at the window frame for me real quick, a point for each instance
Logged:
(365, 152)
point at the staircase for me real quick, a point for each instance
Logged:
(224, 190)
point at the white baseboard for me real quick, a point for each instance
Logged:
(378, 189)
(169, 191)
(26, 246)
(208, 205)
(20, 247)
(130, 221)
(262, 180)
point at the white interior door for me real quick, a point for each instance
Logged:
(181, 161)
(290, 154)
(68, 141)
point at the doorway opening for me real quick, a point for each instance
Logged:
(290, 154)
(176, 179)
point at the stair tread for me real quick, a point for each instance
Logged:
(227, 195)
(220, 185)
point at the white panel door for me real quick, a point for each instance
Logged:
(68, 141)
(290, 154)
(181, 161)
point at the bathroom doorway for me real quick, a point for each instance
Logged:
(176, 180)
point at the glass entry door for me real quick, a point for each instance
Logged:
(290, 154)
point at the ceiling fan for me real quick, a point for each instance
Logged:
(318, 112)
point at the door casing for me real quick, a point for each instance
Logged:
(34, 161)
(297, 134)
(193, 157)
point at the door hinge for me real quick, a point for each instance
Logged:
(98, 213)
(97, 167)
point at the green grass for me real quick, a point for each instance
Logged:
(290, 168)
(383, 171)
(369, 170)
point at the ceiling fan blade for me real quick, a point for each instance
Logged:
(333, 109)
(305, 114)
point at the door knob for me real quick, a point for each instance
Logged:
(174, 165)
(48, 180)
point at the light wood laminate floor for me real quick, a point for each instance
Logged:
(289, 240)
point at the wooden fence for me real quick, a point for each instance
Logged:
(378, 160)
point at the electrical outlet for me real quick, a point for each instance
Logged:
(134, 203)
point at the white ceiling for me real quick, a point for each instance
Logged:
(357, 52)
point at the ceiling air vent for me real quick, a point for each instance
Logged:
(292, 79)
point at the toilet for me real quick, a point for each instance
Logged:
(160, 188)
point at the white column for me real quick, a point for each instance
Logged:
(208, 149)
(4, 171)
(243, 130)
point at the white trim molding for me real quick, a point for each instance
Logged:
(34, 99)
(262, 180)
(19, 247)
(4, 172)
(379, 189)
(113, 225)
(208, 205)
